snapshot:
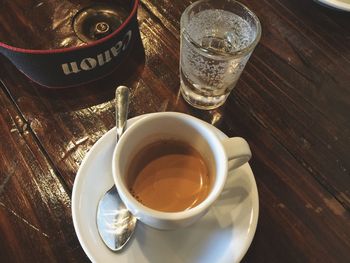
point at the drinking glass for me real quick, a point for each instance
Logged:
(217, 39)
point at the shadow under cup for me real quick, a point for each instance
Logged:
(177, 127)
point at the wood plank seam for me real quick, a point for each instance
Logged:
(37, 141)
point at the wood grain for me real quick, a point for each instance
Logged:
(34, 204)
(291, 103)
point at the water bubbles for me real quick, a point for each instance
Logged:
(220, 30)
(135, 195)
(214, 50)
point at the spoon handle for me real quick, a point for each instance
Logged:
(121, 109)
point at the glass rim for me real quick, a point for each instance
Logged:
(236, 53)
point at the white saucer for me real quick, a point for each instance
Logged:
(222, 235)
(337, 4)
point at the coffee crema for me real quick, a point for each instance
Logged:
(169, 176)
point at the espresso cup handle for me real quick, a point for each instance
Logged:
(237, 150)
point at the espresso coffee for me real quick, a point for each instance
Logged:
(169, 176)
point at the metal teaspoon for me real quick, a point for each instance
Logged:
(115, 223)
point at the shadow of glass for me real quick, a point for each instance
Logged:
(192, 244)
(228, 208)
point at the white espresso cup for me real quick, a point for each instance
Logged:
(220, 156)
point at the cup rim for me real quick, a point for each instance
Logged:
(220, 159)
(237, 53)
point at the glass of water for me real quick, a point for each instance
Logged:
(217, 39)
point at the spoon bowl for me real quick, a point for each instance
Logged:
(115, 223)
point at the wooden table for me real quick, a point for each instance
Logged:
(292, 104)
